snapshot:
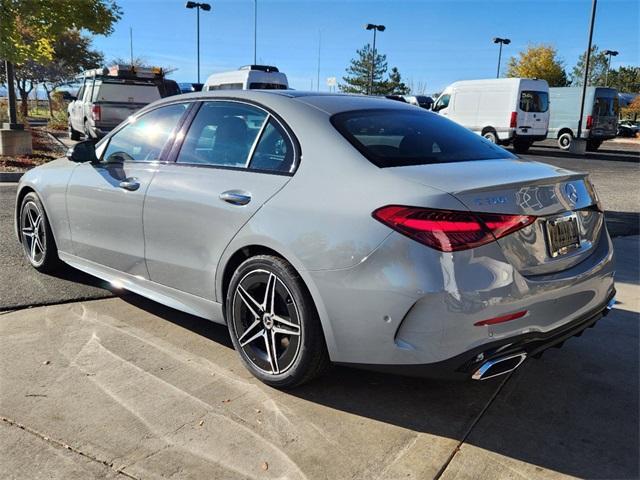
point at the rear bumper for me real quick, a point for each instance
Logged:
(411, 305)
(462, 367)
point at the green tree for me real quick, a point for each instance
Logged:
(625, 79)
(395, 85)
(359, 73)
(598, 64)
(30, 29)
(539, 61)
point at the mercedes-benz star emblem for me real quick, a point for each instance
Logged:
(571, 192)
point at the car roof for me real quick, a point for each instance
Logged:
(327, 102)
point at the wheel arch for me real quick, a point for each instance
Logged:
(230, 262)
(22, 192)
(489, 128)
(564, 130)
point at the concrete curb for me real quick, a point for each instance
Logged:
(12, 177)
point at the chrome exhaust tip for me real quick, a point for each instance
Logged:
(610, 305)
(499, 366)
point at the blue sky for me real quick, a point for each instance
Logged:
(433, 42)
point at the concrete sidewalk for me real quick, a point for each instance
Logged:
(125, 388)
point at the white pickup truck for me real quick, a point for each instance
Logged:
(108, 96)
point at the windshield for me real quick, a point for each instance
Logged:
(395, 138)
(531, 101)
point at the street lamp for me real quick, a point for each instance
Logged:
(255, 31)
(206, 7)
(610, 53)
(375, 28)
(501, 41)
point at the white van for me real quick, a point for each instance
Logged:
(503, 110)
(249, 77)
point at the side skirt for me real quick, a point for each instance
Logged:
(168, 296)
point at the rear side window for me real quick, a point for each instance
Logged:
(273, 152)
(222, 134)
(395, 138)
(536, 102)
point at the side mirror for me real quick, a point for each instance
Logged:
(83, 152)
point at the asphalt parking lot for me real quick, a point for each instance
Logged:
(121, 387)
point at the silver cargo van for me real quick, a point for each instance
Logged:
(600, 120)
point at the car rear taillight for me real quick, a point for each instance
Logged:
(449, 230)
(514, 120)
(589, 122)
(96, 112)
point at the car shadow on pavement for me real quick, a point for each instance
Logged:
(574, 411)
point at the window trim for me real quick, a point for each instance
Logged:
(297, 154)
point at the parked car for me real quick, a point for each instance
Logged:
(504, 110)
(190, 87)
(627, 128)
(599, 122)
(400, 241)
(107, 96)
(249, 77)
(420, 100)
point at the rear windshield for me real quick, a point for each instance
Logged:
(266, 86)
(396, 138)
(606, 107)
(531, 101)
(127, 93)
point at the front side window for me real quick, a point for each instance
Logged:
(144, 138)
(222, 134)
(226, 86)
(395, 138)
(537, 102)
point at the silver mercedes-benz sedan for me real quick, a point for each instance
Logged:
(329, 228)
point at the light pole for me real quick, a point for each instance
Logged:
(578, 146)
(501, 41)
(255, 31)
(610, 53)
(206, 7)
(375, 28)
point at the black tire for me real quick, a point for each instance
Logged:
(491, 135)
(43, 255)
(593, 145)
(520, 146)
(565, 139)
(73, 134)
(258, 331)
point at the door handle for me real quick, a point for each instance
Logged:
(130, 184)
(236, 197)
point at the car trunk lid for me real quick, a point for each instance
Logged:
(518, 187)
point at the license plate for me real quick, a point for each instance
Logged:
(563, 235)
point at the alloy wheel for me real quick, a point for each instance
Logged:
(33, 230)
(266, 322)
